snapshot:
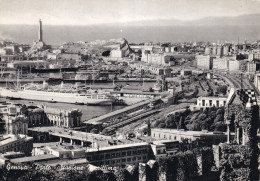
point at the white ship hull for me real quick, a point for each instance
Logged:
(74, 98)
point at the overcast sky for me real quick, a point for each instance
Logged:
(84, 12)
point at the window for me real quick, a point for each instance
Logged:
(123, 160)
(144, 157)
(217, 103)
(128, 159)
(139, 158)
(210, 103)
(123, 153)
(203, 102)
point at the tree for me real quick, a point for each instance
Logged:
(121, 174)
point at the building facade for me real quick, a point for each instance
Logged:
(119, 155)
(180, 135)
(16, 124)
(203, 102)
(21, 143)
(204, 62)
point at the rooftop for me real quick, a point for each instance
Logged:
(187, 133)
(118, 147)
(5, 139)
(33, 158)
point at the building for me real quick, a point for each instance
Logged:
(72, 57)
(11, 142)
(221, 64)
(180, 135)
(256, 54)
(154, 69)
(203, 102)
(156, 57)
(16, 124)
(226, 50)
(204, 62)
(63, 118)
(257, 81)
(119, 155)
(251, 67)
(220, 51)
(207, 50)
(117, 53)
(10, 58)
(234, 65)
(47, 116)
(61, 151)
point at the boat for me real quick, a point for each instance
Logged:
(62, 94)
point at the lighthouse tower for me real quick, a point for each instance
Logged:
(40, 30)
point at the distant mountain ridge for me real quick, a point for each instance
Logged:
(252, 19)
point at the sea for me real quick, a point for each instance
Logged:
(56, 35)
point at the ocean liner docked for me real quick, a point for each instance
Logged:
(61, 93)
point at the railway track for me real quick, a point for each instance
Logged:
(114, 127)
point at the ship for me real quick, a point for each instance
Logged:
(60, 93)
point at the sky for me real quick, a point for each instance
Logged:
(88, 12)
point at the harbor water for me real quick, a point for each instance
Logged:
(88, 111)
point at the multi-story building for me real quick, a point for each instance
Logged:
(157, 58)
(47, 116)
(63, 118)
(257, 81)
(204, 62)
(226, 50)
(256, 54)
(234, 65)
(16, 124)
(251, 67)
(221, 64)
(11, 142)
(119, 155)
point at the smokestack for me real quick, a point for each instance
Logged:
(40, 30)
